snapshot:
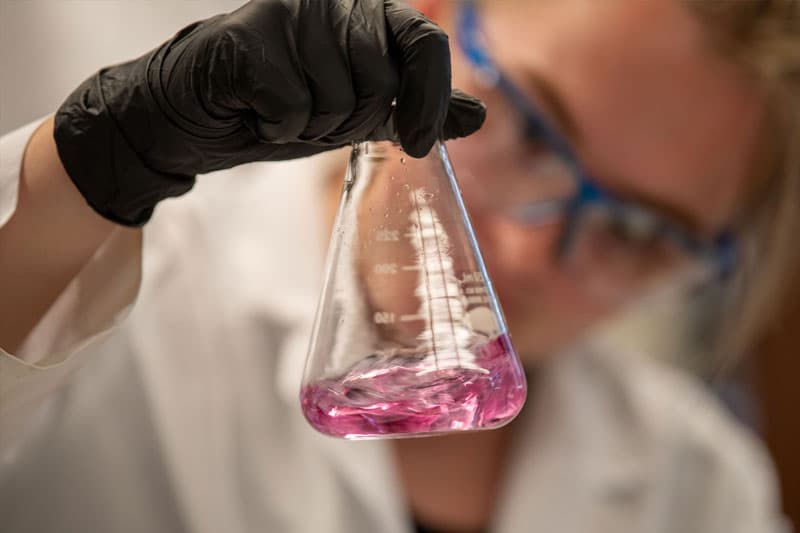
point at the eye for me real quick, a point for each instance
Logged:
(533, 137)
(636, 228)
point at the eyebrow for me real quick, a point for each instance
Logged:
(556, 113)
(670, 212)
(551, 105)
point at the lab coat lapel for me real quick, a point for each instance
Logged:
(219, 266)
(574, 468)
(366, 467)
(187, 378)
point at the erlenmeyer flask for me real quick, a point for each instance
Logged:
(409, 339)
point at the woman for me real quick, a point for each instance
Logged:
(186, 419)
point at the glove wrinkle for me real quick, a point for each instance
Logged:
(273, 80)
(328, 75)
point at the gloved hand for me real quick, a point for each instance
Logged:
(276, 79)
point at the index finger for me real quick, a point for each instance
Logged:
(423, 52)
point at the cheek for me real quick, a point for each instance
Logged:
(545, 305)
(520, 260)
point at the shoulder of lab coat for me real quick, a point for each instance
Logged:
(622, 443)
(95, 301)
(708, 472)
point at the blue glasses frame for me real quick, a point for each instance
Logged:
(721, 251)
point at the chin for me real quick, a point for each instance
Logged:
(530, 344)
(537, 340)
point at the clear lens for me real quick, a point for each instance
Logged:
(616, 254)
(614, 251)
(529, 185)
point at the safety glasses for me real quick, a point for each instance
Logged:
(620, 242)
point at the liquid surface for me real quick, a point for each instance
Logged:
(385, 396)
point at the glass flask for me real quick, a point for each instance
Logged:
(409, 339)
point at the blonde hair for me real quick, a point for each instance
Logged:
(764, 36)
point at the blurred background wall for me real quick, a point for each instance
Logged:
(33, 82)
(777, 365)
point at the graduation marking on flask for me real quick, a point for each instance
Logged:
(409, 339)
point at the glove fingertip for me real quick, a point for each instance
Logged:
(466, 114)
(417, 146)
(418, 135)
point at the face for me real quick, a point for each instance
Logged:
(649, 108)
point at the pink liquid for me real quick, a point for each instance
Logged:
(390, 397)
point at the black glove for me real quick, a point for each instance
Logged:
(276, 79)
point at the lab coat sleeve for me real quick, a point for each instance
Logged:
(95, 301)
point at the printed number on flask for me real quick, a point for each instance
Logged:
(388, 235)
(386, 268)
(383, 317)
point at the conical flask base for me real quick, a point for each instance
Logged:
(401, 395)
(409, 339)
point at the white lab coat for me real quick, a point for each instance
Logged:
(184, 417)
